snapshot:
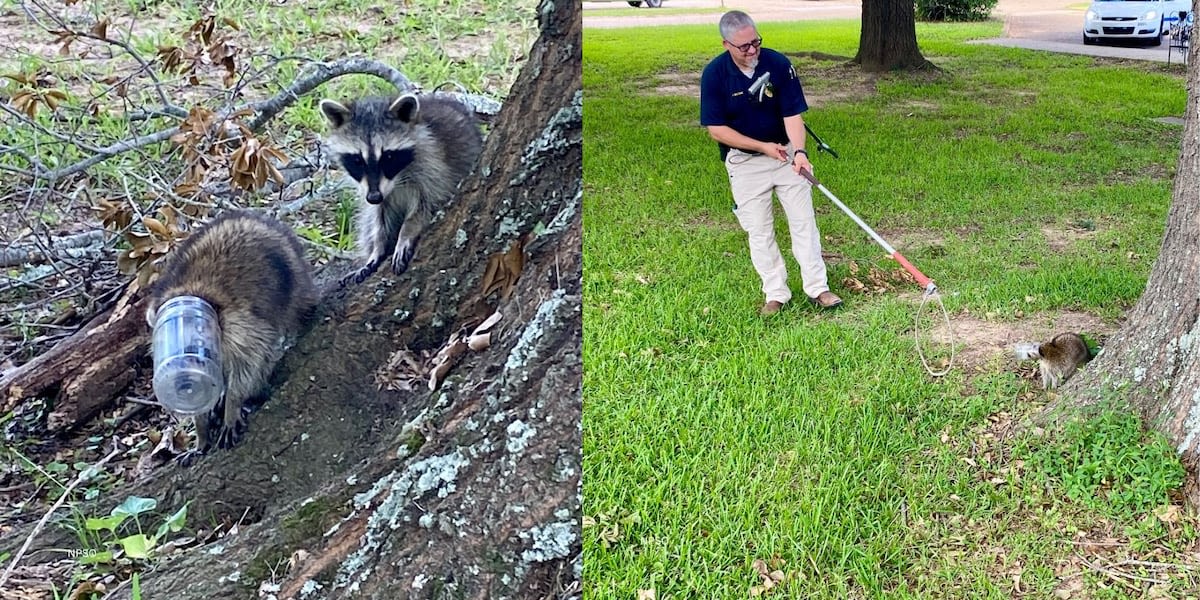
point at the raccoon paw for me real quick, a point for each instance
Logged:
(358, 276)
(402, 258)
(190, 457)
(231, 435)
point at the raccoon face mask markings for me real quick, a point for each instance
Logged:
(392, 162)
(354, 165)
(376, 177)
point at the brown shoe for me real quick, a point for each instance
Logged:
(826, 300)
(770, 308)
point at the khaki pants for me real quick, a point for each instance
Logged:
(753, 177)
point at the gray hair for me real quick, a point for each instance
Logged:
(733, 22)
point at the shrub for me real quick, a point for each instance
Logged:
(1108, 463)
(954, 10)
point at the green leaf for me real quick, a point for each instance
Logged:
(135, 587)
(173, 523)
(57, 467)
(109, 523)
(137, 545)
(98, 557)
(135, 505)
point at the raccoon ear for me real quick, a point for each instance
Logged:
(336, 113)
(405, 108)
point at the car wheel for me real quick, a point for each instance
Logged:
(654, 3)
(634, 3)
(1088, 41)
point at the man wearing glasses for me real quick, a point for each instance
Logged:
(751, 102)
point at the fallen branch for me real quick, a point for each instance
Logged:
(1119, 576)
(84, 372)
(268, 109)
(322, 73)
(81, 244)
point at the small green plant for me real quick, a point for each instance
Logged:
(345, 219)
(134, 545)
(1107, 463)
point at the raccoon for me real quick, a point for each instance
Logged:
(408, 155)
(252, 270)
(1058, 358)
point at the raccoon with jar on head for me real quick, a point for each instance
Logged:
(248, 272)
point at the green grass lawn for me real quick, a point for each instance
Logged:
(1024, 183)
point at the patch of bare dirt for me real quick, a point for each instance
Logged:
(1060, 239)
(831, 83)
(915, 240)
(706, 220)
(824, 83)
(674, 83)
(980, 343)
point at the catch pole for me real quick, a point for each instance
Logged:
(922, 280)
(925, 282)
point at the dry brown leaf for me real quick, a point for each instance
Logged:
(647, 594)
(504, 268)
(481, 338)
(156, 227)
(854, 285)
(298, 557)
(100, 29)
(445, 360)
(171, 58)
(25, 101)
(1168, 514)
(772, 576)
(88, 589)
(405, 371)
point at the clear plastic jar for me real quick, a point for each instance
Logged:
(187, 356)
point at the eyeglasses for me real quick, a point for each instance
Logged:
(744, 48)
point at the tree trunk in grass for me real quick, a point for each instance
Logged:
(1153, 361)
(889, 37)
(342, 489)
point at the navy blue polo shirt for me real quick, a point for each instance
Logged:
(725, 98)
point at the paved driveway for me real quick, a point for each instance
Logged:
(1052, 25)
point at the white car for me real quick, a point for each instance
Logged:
(1145, 20)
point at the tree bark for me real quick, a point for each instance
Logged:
(888, 41)
(471, 491)
(1153, 361)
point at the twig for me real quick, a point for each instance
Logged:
(58, 504)
(1118, 575)
(138, 408)
(120, 586)
(1154, 565)
(266, 111)
(1087, 543)
(107, 152)
(322, 73)
(145, 66)
(81, 243)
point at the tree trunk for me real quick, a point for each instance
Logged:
(889, 37)
(1153, 361)
(471, 491)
